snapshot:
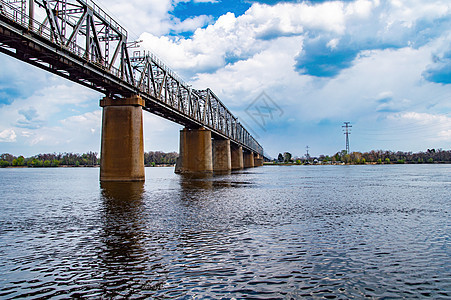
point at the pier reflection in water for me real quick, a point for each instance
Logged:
(266, 233)
(127, 261)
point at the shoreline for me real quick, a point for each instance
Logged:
(371, 163)
(94, 166)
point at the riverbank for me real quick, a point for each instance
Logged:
(355, 164)
(92, 166)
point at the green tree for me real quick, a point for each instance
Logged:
(431, 160)
(346, 158)
(280, 157)
(36, 162)
(387, 160)
(4, 164)
(21, 161)
(47, 163)
(379, 161)
(337, 156)
(287, 157)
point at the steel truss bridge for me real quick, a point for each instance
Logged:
(77, 40)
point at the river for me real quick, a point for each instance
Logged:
(275, 232)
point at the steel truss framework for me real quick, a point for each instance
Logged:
(77, 40)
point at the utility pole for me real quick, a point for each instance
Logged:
(307, 155)
(347, 132)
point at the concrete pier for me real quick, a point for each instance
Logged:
(237, 157)
(258, 160)
(195, 154)
(222, 161)
(248, 159)
(122, 149)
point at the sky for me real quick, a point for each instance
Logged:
(291, 71)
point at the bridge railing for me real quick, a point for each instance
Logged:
(83, 29)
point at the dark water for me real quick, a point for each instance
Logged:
(266, 233)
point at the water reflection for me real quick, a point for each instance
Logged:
(189, 182)
(122, 191)
(123, 235)
(192, 182)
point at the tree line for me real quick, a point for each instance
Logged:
(388, 157)
(373, 156)
(153, 158)
(88, 159)
(50, 160)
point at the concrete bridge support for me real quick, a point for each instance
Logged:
(222, 161)
(258, 160)
(237, 157)
(195, 154)
(248, 159)
(122, 149)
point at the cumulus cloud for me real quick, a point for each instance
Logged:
(153, 16)
(208, 49)
(8, 136)
(190, 24)
(233, 38)
(333, 34)
(371, 25)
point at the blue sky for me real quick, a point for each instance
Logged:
(384, 66)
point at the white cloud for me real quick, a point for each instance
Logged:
(270, 69)
(233, 38)
(361, 8)
(78, 133)
(191, 24)
(160, 134)
(152, 16)
(333, 43)
(423, 118)
(34, 116)
(140, 15)
(8, 136)
(426, 126)
(347, 27)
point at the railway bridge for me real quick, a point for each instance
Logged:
(77, 40)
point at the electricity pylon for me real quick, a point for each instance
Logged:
(347, 132)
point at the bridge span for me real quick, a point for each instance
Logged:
(77, 40)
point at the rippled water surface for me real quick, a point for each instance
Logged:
(265, 233)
